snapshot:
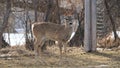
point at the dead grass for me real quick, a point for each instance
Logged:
(109, 42)
(18, 57)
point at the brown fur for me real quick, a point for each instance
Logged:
(49, 31)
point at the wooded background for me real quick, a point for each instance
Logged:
(16, 14)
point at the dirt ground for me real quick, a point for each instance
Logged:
(18, 57)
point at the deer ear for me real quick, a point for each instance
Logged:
(62, 20)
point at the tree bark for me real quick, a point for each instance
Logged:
(49, 10)
(78, 39)
(111, 19)
(5, 20)
(35, 9)
(58, 12)
(30, 41)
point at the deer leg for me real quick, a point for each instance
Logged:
(39, 52)
(43, 47)
(60, 47)
(37, 46)
(65, 50)
(65, 45)
(62, 59)
(41, 43)
(60, 56)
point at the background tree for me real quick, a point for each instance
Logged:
(51, 10)
(5, 22)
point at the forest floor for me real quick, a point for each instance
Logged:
(18, 57)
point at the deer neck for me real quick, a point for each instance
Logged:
(70, 33)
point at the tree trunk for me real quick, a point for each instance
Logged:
(4, 43)
(90, 26)
(49, 10)
(5, 20)
(79, 36)
(35, 9)
(58, 12)
(78, 39)
(28, 45)
(111, 19)
(30, 40)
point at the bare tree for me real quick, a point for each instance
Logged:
(35, 9)
(111, 19)
(28, 24)
(5, 20)
(49, 10)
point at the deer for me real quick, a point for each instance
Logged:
(60, 33)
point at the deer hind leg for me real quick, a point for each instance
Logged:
(35, 47)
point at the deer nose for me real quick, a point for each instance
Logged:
(70, 23)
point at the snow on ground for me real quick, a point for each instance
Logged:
(15, 38)
(118, 32)
(19, 38)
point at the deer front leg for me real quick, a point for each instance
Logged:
(37, 46)
(39, 55)
(65, 47)
(62, 59)
(59, 44)
(60, 47)
(61, 56)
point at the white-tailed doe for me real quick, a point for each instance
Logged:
(43, 31)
